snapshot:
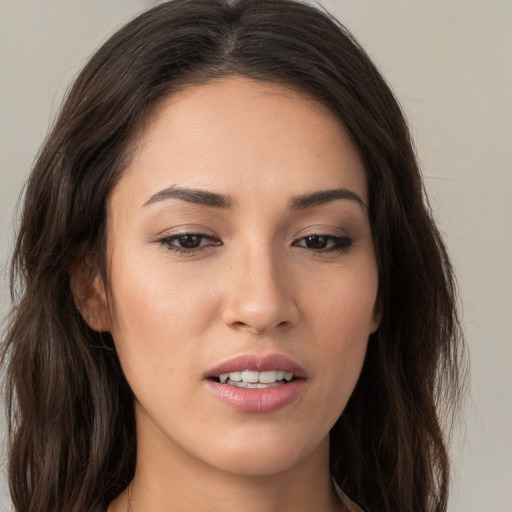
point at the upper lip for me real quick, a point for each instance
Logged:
(257, 363)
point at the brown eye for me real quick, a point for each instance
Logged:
(188, 242)
(325, 243)
(316, 241)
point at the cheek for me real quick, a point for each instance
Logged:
(156, 325)
(344, 303)
(342, 317)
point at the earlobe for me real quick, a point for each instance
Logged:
(89, 296)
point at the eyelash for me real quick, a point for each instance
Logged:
(168, 242)
(337, 243)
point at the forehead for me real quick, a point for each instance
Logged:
(237, 135)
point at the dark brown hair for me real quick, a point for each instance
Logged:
(71, 419)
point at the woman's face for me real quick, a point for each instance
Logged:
(240, 249)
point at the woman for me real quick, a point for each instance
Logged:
(229, 291)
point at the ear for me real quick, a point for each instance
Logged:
(89, 295)
(378, 311)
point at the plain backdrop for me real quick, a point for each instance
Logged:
(449, 63)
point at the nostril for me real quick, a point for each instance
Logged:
(259, 315)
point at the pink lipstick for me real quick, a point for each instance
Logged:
(257, 384)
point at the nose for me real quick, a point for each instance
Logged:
(260, 296)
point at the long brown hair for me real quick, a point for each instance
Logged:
(71, 419)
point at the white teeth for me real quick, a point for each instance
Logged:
(235, 376)
(252, 379)
(267, 377)
(248, 376)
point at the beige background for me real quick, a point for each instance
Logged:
(450, 65)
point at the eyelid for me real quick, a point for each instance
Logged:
(167, 237)
(322, 230)
(183, 229)
(339, 240)
(334, 243)
(167, 242)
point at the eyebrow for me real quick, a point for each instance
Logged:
(324, 196)
(190, 195)
(206, 198)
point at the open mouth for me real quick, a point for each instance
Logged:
(254, 379)
(255, 383)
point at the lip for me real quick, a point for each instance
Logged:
(257, 363)
(257, 400)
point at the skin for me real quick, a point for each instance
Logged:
(254, 286)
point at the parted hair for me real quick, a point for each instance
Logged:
(72, 444)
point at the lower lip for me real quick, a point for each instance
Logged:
(257, 400)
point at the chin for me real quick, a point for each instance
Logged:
(266, 457)
(258, 466)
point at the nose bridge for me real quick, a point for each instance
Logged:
(261, 294)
